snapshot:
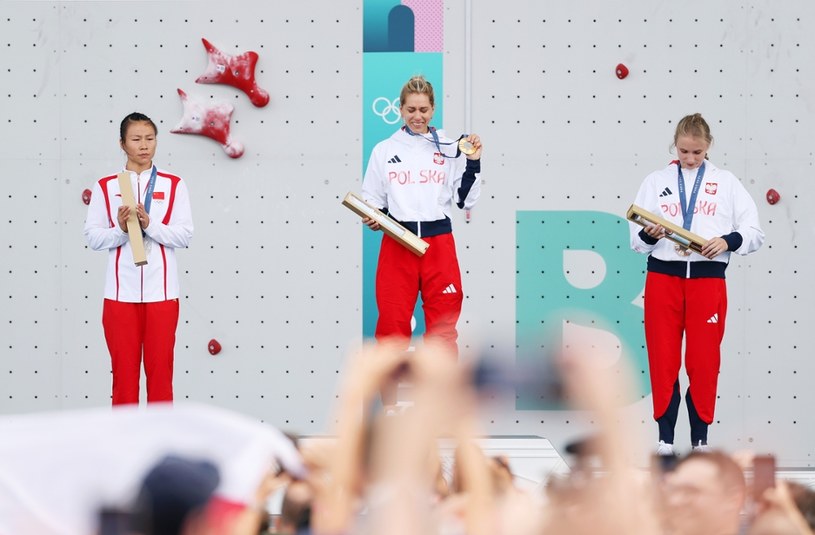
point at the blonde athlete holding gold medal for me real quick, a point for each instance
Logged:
(685, 292)
(416, 176)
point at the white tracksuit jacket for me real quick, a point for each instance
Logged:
(170, 227)
(418, 186)
(723, 208)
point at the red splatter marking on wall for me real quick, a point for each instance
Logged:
(210, 119)
(237, 71)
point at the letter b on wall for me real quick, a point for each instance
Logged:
(577, 282)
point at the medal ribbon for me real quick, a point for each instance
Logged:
(436, 141)
(148, 193)
(687, 210)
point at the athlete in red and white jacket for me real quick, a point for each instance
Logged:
(170, 228)
(417, 184)
(141, 306)
(723, 208)
(685, 292)
(416, 176)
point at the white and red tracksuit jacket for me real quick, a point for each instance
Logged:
(417, 186)
(723, 208)
(170, 227)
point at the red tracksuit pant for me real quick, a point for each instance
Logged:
(401, 276)
(136, 331)
(695, 308)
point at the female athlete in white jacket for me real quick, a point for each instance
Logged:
(416, 176)
(685, 292)
(140, 312)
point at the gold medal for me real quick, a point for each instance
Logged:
(466, 147)
(681, 251)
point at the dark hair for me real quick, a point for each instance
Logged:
(804, 498)
(134, 118)
(295, 511)
(173, 490)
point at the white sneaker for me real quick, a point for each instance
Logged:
(665, 449)
(702, 447)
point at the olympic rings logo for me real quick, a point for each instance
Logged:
(388, 110)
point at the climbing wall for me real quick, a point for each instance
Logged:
(275, 272)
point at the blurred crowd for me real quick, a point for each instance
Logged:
(382, 473)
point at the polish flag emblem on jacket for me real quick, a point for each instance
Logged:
(711, 187)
